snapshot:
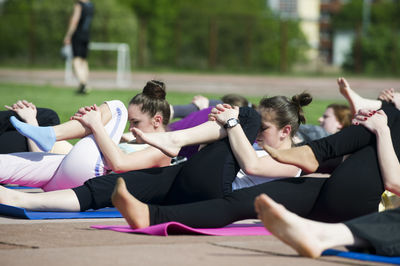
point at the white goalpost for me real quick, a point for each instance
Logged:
(123, 78)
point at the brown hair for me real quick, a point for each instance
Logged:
(287, 111)
(236, 100)
(342, 113)
(152, 100)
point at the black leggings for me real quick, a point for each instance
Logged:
(207, 174)
(11, 140)
(353, 189)
(380, 229)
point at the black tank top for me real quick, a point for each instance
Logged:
(83, 30)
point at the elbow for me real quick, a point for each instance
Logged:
(250, 170)
(117, 167)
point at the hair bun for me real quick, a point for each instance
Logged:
(302, 99)
(155, 89)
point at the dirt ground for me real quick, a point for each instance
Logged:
(257, 85)
(73, 242)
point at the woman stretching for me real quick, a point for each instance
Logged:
(208, 174)
(97, 152)
(353, 189)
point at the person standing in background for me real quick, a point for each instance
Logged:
(78, 35)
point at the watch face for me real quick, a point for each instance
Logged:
(231, 122)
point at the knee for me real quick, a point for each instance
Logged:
(248, 112)
(47, 117)
(118, 108)
(248, 115)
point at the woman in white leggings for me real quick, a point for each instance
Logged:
(58, 171)
(97, 153)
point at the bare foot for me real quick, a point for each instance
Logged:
(164, 141)
(356, 102)
(302, 157)
(136, 213)
(351, 96)
(290, 228)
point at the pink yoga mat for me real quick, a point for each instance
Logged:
(174, 228)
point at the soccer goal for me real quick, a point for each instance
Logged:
(123, 78)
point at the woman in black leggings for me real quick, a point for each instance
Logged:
(208, 174)
(353, 189)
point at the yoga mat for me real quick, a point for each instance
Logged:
(361, 256)
(12, 211)
(19, 187)
(174, 228)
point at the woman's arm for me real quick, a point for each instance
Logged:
(73, 23)
(113, 155)
(388, 162)
(244, 152)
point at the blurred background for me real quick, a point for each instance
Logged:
(257, 36)
(250, 47)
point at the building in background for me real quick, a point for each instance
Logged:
(308, 14)
(333, 46)
(315, 18)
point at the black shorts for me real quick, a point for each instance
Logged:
(80, 48)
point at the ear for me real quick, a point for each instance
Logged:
(157, 121)
(285, 131)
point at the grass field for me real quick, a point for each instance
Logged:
(65, 101)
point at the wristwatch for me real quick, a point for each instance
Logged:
(231, 122)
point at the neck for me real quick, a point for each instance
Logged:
(285, 144)
(160, 129)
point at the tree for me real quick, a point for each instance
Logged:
(379, 51)
(38, 29)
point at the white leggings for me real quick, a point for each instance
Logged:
(58, 171)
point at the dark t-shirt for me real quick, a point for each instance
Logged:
(82, 32)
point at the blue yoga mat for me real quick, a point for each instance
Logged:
(361, 256)
(20, 187)
(7, 210)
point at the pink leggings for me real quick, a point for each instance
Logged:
(58, 171)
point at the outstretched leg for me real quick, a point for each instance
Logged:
(307, 237)
(60, 200)
(171, 142)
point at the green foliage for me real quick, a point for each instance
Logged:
(349, 16)
(219, 34)
(32, 32)
(378, 52)
(183, 34)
